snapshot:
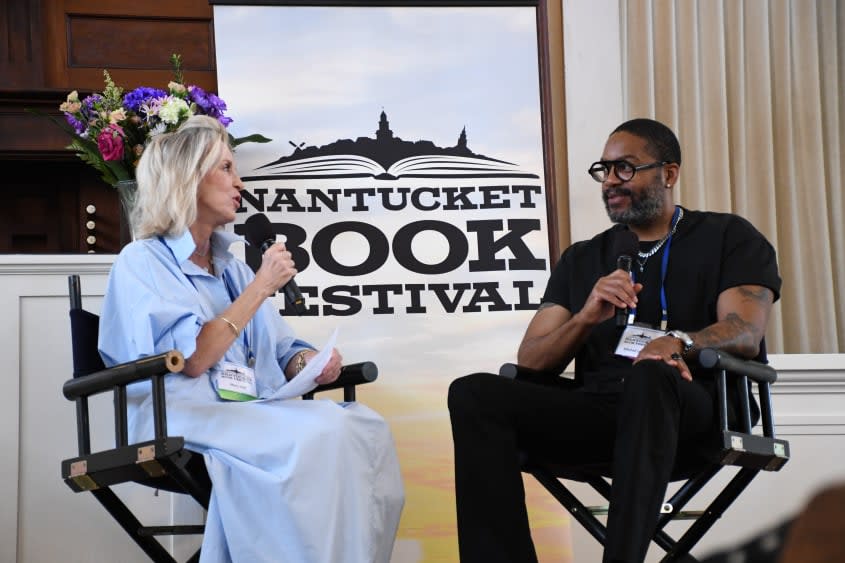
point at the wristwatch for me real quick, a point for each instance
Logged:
(685, 338)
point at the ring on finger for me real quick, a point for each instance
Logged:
(675, 356)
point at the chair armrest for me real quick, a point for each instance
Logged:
(115, 379)
(174, 362)
(741, 447)
(760, 373)
(540, 377)
(123, 374)
(352, 374)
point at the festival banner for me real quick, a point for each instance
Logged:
(406, 176)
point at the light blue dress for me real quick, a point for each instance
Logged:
(293, 481)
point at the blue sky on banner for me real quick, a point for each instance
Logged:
(432, 70)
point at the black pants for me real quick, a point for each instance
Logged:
(638, 430)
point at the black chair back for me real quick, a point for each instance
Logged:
(85, 328)
(84, 331)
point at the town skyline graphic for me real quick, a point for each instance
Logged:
(386, 157)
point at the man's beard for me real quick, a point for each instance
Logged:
(646, 206)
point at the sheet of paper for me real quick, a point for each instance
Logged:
(304, 380)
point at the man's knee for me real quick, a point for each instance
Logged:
(649, 376)
(465, 393)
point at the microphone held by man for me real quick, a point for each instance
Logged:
(625, 246)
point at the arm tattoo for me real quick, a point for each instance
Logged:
(761, 295)
(545, 305)
(733, 333)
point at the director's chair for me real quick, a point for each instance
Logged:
(163, 463)
(696, 464)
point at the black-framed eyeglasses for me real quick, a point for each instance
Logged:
(623, 169)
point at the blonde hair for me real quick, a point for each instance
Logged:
(169, 172)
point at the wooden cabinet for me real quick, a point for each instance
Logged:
(54, 203)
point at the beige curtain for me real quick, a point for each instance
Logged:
(753, 90)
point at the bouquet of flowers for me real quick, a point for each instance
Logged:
(110, 130)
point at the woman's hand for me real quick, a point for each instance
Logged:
(277, 269)
(331, 371)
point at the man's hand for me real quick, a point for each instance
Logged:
(667, 349)
(554, 334)
(613, 290)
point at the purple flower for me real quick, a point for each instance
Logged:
(77, 125)
(209, 104)
(90, 108)
(89, 105)
(135, 100)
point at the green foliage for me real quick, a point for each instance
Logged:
(254, 138)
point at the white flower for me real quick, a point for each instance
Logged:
(172, 110)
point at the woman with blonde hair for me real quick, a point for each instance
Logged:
(297, 481)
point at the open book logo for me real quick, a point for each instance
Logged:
(387, 158)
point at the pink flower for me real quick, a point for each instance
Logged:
(110, 142)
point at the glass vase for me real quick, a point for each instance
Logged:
(126, 192)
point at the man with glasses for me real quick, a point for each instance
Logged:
(699, 279)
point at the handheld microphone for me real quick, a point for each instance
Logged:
(625, 246)
(259, 233)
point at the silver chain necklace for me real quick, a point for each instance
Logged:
(644, 256)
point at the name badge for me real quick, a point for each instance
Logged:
(634, 338)
(234, 382)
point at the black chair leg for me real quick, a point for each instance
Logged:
(674, 552)
(572, 504)
(724, 499)
(195, 558)
(188, 482)
(683, 495)
(682, 558)
(131, 525)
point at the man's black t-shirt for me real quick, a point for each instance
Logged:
(709, 253)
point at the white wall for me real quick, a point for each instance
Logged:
(593, 83)
(41, 519)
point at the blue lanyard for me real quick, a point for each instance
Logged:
(664, 267)
(250, 356)
(232, 296)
